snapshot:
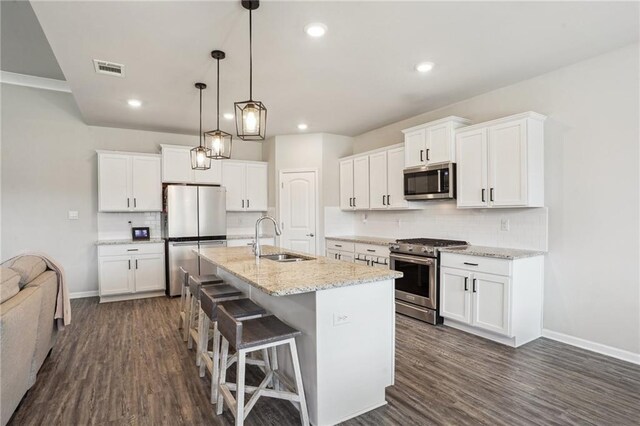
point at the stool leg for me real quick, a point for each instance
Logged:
(240, 388)
(215, 371)
(187, 316)
(201, 316)
(192, 321)
(223, 375)
(267, 364)
(180, 316)
(304, 415)
(274, 367)
(203, 334)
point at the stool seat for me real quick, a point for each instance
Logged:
(205, 279)
(268, 329)
(238, 308)
(225, 291)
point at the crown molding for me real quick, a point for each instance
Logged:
(33, 81)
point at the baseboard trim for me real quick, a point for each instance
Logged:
(33, 81)
(592, 346)
(83, 294)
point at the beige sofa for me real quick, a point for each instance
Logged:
(27, 327)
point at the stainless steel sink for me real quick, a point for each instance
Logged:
(285, 257)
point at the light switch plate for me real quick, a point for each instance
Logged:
(504, 225)
(73, 215)
(340, 318)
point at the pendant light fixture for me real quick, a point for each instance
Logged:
(216, 141)
(200, 154)
(251, 116)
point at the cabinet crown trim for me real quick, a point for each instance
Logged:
(451, 118)
(529, 114)
(136, 154)
(373, 151)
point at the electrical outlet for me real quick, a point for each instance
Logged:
(340, 318)
(73, 215)
(504, 225)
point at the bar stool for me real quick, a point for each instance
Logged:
(185, 303)
(240, 309)
(196, 282)
(249, 336)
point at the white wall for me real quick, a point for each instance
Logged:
(49, 166)
(592, 283)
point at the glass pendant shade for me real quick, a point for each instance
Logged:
(219, 144)
(251, 120)
(200, 155)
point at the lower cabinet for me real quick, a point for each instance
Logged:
(500, 299)
(364, 254)
(130, 271)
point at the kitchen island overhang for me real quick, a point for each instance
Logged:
(346, 313)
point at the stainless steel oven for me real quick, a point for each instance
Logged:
(416, 291)
(430, 182)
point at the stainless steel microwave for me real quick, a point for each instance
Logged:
(430, 182)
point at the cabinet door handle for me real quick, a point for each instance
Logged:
(470, 264)
(354, 201)
(136, 263)
(243, 204)
(129, 263)
(247, 203)
(128, 203)
(383, 203)
(350, 202)
(388, 199)
(135, 202)
(339, 257)
(427, 154)
(466, 283)
(475, 290)
(483, 191)
(491, 194)
(421, 151)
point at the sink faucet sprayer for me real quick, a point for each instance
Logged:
(256, 247)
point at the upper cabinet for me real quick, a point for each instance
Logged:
(246, 183)
(373, 180)
(501, 162)
(176, 167)
(432, 143)
(129, 182)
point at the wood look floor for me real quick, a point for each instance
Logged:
(124, 363)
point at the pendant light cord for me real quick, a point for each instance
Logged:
(200, 134)
(218, 95)
(250, 58)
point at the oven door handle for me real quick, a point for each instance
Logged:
(413, 259)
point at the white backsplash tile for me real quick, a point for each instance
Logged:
(338, 222)
(240, 223)
(116, 226)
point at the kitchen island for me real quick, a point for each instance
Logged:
(346, 314)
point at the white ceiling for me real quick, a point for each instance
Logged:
(358, 77)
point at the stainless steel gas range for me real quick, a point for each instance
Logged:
(417, 291)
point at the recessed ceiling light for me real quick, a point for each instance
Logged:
(424, 66)
(228, 116)
(134, 103)
(302, 126)
(315, 30)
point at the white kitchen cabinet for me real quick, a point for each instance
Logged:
(246, 183)
(129, 182)
(176, 167)
(365, 254)
(340, 255)
(386, 179)
(346, 184)
(129, 271)
(433, 142)
(500, 299)
(501, 163)
(361, 182)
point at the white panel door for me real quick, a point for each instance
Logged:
(176, 165)
(395, 178)
(211, 176)
(471, 150)
(149, 272)
(438, 144)
(234, 179)
(146, 183)
(378, 180)
(298, 194)
(116, 275)
(114, 181)
(508, 164)
(361, 182)
(257, 187)
(346, 185)
(414, 148)
(491, 303)
(455, 295)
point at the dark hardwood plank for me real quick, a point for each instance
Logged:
(125, 363)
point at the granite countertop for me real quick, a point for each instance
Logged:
(364, 240)
(247, 236)
(287, 278)
(129, 241)
(500, 253)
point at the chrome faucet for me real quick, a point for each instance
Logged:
(256, 245)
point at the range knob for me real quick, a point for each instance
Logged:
(395, 246)
(409, 248)
(425, 249)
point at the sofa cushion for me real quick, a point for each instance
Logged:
(29, 267)
(9, 283)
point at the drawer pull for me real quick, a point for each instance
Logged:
(470, 264)
(338, 245)
(371, 250)
(132, 249)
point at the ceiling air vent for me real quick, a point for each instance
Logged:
(108, 68)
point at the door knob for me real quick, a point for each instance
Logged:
(310, 235)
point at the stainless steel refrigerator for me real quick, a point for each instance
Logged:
(194, 216)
